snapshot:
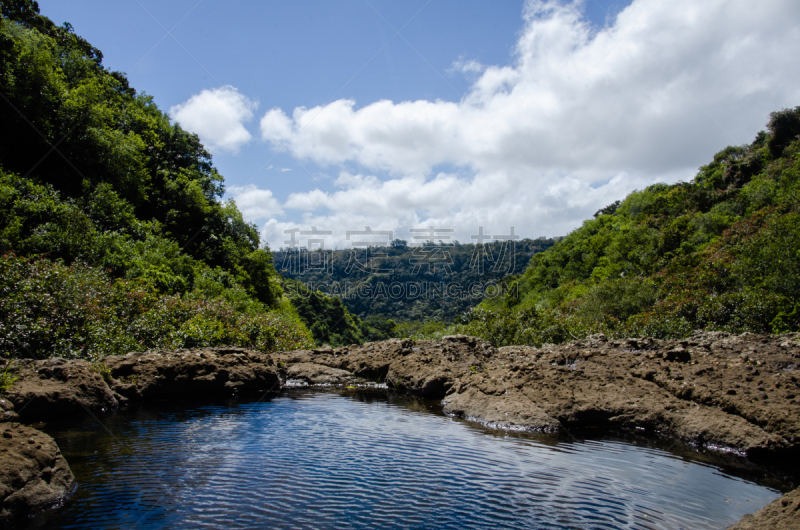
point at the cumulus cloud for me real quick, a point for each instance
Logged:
(662, 87)
(581, 117)
(548, 206)
(254, 203)
(217, 116)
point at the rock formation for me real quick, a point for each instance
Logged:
(737, 394)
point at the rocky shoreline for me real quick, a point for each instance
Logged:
(718, 392)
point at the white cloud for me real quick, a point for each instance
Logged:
(547, 205)
(663, 87)
(217, 116)
(467, 66)
(276, 126)
(254, 203)
(580, 118)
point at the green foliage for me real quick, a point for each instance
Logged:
(719, 253)
(77, 311)
(366, 291)
(106, 160)
(112, 234)
(377, 328)
(7, 377)
(328, 319)
(421, 330)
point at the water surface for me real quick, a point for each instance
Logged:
(311, 459)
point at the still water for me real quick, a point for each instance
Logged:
(312, 459)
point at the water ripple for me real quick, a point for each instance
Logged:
(319, 460)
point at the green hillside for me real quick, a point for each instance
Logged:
(112, 233)
(114, 238)
(719, 253)
(434, 281)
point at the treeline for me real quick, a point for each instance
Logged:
(112, 234)
(406, 283)
(719, 253)
(331, 323)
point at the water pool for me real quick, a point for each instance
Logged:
(315, 459)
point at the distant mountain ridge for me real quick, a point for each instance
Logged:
(433, 281)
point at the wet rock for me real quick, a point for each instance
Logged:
(7, 412)
(34, 476)
(317, 374)
(780, 514)
(200, 372)
(56, 389)
(507, 410)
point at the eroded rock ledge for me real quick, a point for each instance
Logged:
(731, 393)
(33, 474)
(713, 390)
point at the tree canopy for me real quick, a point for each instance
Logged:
(100, 193)
(719, 253)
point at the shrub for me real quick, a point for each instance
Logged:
(77, 311)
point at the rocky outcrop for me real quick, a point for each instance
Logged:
(34, 476)
(735, 393)
(427, 369)
(317, 374)
(188, 373)
(712, 390)
(57, 388)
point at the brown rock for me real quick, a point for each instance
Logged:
(56, 389)
(34, 476)
(185, 373)
(780, 514)
(317, 374)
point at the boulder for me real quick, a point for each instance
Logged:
(34, 476)
(59, 389)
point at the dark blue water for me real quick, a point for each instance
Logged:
(311, 459)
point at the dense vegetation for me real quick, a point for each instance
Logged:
(112, 233)
(331, 323)
(719, 253)
(434, 281)
(114, 237)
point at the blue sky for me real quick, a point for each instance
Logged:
(496, 114)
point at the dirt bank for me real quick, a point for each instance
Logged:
(713, 390)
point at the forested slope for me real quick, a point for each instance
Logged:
(112, 232)
(721, 252)
(432, 281)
